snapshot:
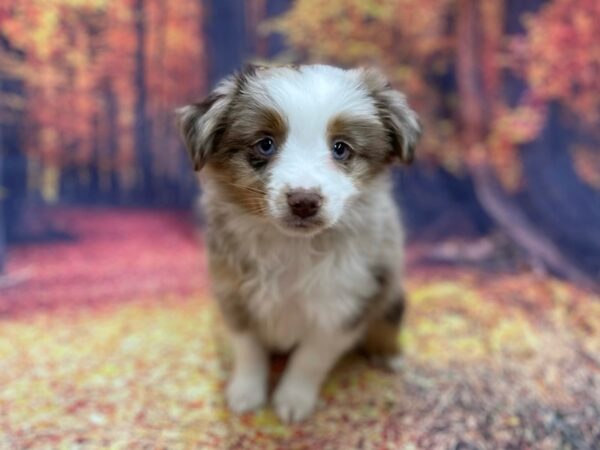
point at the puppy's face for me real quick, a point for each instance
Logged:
(296, 145)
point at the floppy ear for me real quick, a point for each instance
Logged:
(400, 120)
(202, 123)
(403, 124)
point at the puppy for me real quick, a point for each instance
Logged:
(304, 239)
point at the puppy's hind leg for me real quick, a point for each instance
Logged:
(381, 341)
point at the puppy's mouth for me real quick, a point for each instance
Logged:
(296, 226)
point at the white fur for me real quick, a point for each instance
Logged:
(309, 98)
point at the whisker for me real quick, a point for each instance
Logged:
(256, 206)
(248, 188)
(257, 211)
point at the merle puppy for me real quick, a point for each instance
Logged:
(304, 239)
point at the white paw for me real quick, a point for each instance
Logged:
(393, 363)
(294, 402)
(244, 394)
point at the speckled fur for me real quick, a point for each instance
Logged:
(318, 293)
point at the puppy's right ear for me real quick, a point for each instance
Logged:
(202, 123)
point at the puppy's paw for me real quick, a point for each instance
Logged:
(245, 394)
(294, 402)
(392, 363)
(395, 363)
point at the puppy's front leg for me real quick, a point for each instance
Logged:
(247, 389)
(297, 393)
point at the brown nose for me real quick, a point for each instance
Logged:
(304, 204)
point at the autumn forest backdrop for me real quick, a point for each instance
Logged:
(509, 92)
(108, 335)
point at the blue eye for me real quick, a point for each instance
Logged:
(340, 151)
(266, 147)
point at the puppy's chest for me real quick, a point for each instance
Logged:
(296, 290)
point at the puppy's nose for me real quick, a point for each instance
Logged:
(304, 204)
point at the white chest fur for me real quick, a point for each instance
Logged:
(301, 286)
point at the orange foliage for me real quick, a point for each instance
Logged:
(562, 56)
(561, 62)
(80, 56)
(81, 91)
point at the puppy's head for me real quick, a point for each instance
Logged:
(297, 145)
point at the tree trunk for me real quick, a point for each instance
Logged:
(111, 143)
(227, 42)
(525, 233)
(161, 112)
(568, 209)
(141, 126)
(2, 219)
(275, 41)
(13, 173)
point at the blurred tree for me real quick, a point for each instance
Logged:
(96, 82)
(452, 58)
(142, 137)
(2, 213)
(226, 34)
(12, 159)
(234, 34)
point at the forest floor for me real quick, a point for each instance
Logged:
(111, 340)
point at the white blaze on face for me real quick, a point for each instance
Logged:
(309, 99)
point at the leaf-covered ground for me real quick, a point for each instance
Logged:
(111, 341)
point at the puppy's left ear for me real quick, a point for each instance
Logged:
(401, 121)
(202, 123)
(403, 124)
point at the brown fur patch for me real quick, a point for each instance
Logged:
(231, 303)
(227, 274)
(237, 165)
(249, 121)
(372, 304)
(382, 335)
(241, 185)
(394, 313)
(381, 339)
(382, 314)
(369, 142)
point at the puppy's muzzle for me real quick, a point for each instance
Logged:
(304, 204)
